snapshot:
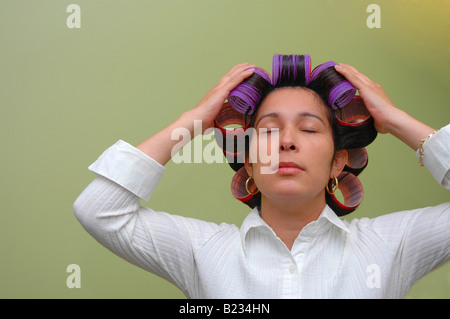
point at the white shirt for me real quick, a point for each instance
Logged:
(331, 258)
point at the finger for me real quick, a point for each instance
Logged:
(236, 75)
(241, 68)
(237, 67)
(353, 75)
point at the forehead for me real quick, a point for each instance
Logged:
(293, 99)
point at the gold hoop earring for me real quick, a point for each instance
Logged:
(334, 187)
(247, 188)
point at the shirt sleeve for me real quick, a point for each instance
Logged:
(437, 156)
(109, 209)
(419, 239)
(130, 168)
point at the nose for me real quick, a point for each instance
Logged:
(287, 141)
(286, 147)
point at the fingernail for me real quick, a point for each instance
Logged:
(338, 67)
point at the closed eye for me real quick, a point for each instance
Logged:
(268, 130)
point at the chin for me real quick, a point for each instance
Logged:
(286, 192)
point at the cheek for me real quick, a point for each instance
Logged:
(320, 152)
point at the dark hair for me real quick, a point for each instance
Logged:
(353, 127)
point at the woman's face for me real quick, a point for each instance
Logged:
(306, 157)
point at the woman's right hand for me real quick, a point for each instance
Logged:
(210, 105)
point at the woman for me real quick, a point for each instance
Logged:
(292, 244)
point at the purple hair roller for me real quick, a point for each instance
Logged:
(320, 68)
(341, 94)
(307, 69)
(275, 68)
(293, 62)
(245, 96)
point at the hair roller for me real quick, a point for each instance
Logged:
(247, 96)
(331, 85)
(355, 127)
(354, 113)
(352, 191)
(238, 189)
(288, 70)
(230, 140)
(318, 69)
(357, 160)
(307, 69)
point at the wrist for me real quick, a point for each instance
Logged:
(191, 120)
(408, 129)
(397, 121)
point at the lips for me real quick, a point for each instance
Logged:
(288, 168)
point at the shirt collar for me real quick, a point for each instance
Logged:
(326, 219)
(331, 216)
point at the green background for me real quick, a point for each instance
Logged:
(133, 67)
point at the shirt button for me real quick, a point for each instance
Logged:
(292, 269)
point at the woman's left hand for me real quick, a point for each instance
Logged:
(377, 102)
(388, 118)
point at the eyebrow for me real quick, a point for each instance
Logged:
(276, 115)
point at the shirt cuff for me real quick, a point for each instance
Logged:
(437, 156)
(129, 167)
